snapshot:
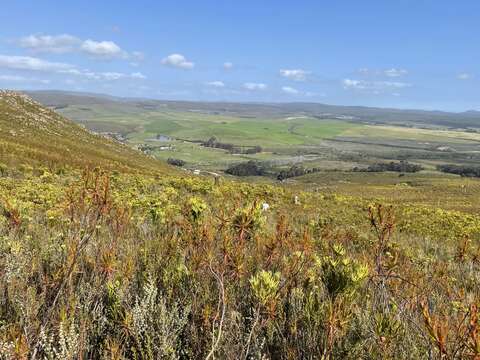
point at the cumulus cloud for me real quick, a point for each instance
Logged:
(28, 63)
(138, 75)
(102, 49)
(49, 43)
(227, 65)
(217, 84)
(32, 64)
(178, 61)
(110, 76)
(254, 86)
(289, 90)
(373, 86)
(66, 43)
(294, 74)
(464, 76)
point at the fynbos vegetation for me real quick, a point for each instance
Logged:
(97, 265)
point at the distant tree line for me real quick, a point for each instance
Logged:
(295, 171)
(462, 170)
(401, 166)
(214, 143)
(255, 168)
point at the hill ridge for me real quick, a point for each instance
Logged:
(32, 133)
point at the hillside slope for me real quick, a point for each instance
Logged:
(32, 134)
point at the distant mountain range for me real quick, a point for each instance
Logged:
(421, 118)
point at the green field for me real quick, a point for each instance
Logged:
(286, 140)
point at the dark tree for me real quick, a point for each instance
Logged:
(250, 168)
(175, 162)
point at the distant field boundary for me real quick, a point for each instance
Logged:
(383, 144)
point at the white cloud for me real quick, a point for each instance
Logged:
(254, 86)
(373, 86)
(393, 84)
(395, 72)
(227, 65)
(109, 76)
(102, 49)
(356, 84)
(217, 84)
(294, 74)
(105, 76)
(464, 76)
(66, 43)
(137, 75)
(289, 90)
(22, 79)
(49, 43)
(178, 61)
(27, 63)
(32, 63)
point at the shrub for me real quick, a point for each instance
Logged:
(176, 162)
(462, 170)
(250, 168)
(402, 166)
(295, 171)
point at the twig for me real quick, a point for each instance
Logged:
(221, 302)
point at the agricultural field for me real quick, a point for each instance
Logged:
(286, 139)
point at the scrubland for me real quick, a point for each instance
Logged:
(98, 264)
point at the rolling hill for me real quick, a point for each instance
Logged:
(35, 135)
(404, 117)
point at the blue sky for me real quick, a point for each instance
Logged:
(402, 53)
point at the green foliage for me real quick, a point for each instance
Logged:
(265, 285)
(341, 275)
(196, 207)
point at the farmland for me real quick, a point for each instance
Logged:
(288, 138)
